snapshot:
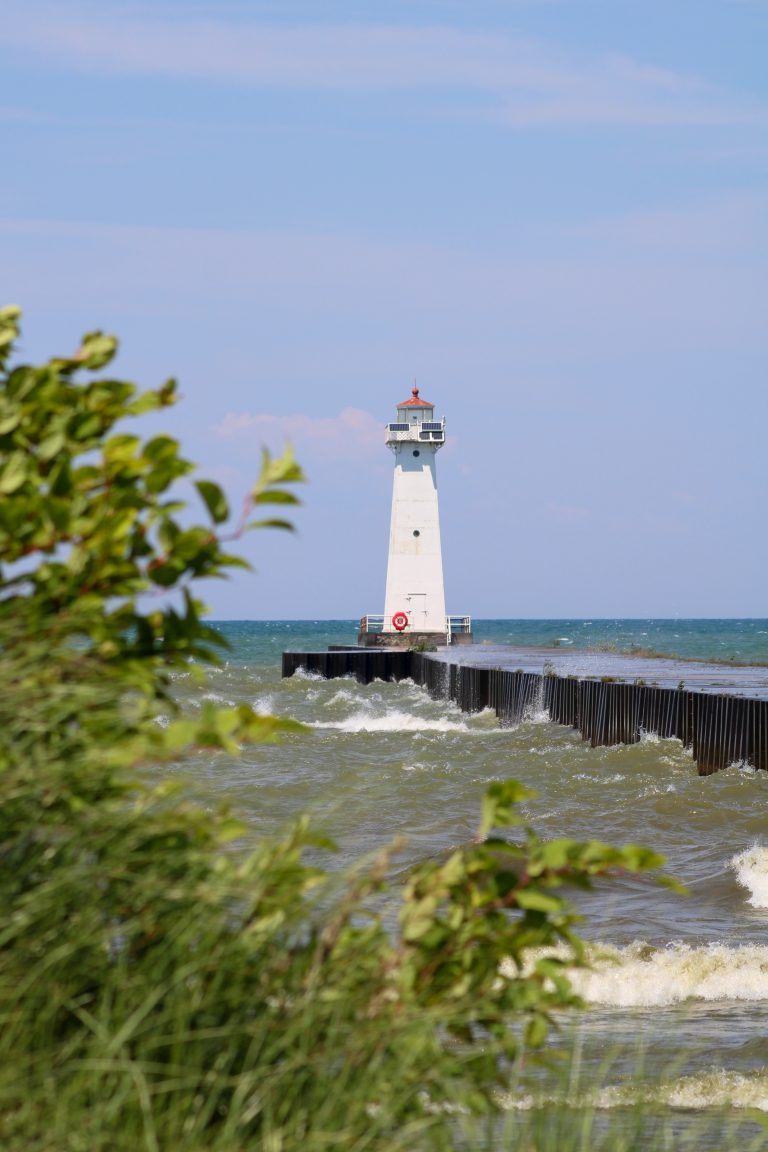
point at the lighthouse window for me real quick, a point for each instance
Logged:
(416, 532)
(416, 452)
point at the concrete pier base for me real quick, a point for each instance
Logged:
(404, 640)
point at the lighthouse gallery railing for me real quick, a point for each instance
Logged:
(426, 430)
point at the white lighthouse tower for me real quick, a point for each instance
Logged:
(414, 602)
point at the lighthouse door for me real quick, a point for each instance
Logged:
(417, 606)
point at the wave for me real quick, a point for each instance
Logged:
(643, 976)
(343, 696)
(392, 722)
(751, 868)
(264, 705)
(211, 697)
(713, 1088)
(303, 674)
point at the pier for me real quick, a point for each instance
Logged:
(718, 711)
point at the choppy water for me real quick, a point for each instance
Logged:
(679, 983)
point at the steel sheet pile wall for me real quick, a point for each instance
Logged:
(366, 665)
(728, 729)
(720, 729)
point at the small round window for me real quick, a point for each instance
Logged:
(416, 532)
(416, 452)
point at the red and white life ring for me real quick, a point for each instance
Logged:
(400, 621)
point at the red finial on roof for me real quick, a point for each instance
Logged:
(415, 401)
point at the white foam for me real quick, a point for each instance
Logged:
(214, 698)
(637, 976)
(392, 722)
(536, 715)
(751, 868)
(617, 778)
(343, 696)
(641, 976)
(657, 790)
(714, 1088)
(649, 737)
(264, 705)
(720, 1088)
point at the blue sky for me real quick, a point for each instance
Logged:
(552, 213)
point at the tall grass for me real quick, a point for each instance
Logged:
(160, 992)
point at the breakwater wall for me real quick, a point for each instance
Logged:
(719, 728)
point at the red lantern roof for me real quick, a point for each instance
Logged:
(415, 401)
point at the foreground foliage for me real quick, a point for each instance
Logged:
(159, 989)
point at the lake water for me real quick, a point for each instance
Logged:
(681, 985)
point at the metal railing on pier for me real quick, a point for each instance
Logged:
(454, 625)
(458, 625)
(372, 623)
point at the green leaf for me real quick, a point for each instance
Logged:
(9, 329)
(499, 803)
(214, 499)
(536, 1031)
(275, 496)
(10, 418)
(273, 522)
(51, 445)
(534, 900)
(14, 472)
(96, 350)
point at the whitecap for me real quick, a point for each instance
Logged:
(343, 696)
(217, 698)
(263, 705)
(392, 722)
(712, 1088)
(642, 976)
(751, 868)
(637, 976)
(719, 1088)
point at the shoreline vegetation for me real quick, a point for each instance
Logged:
(655, 654)
(159, 989)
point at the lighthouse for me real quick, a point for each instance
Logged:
(414, 601)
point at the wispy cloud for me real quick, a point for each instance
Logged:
(530, 81)
(327, 308)
(351, 434)
(302, 337)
